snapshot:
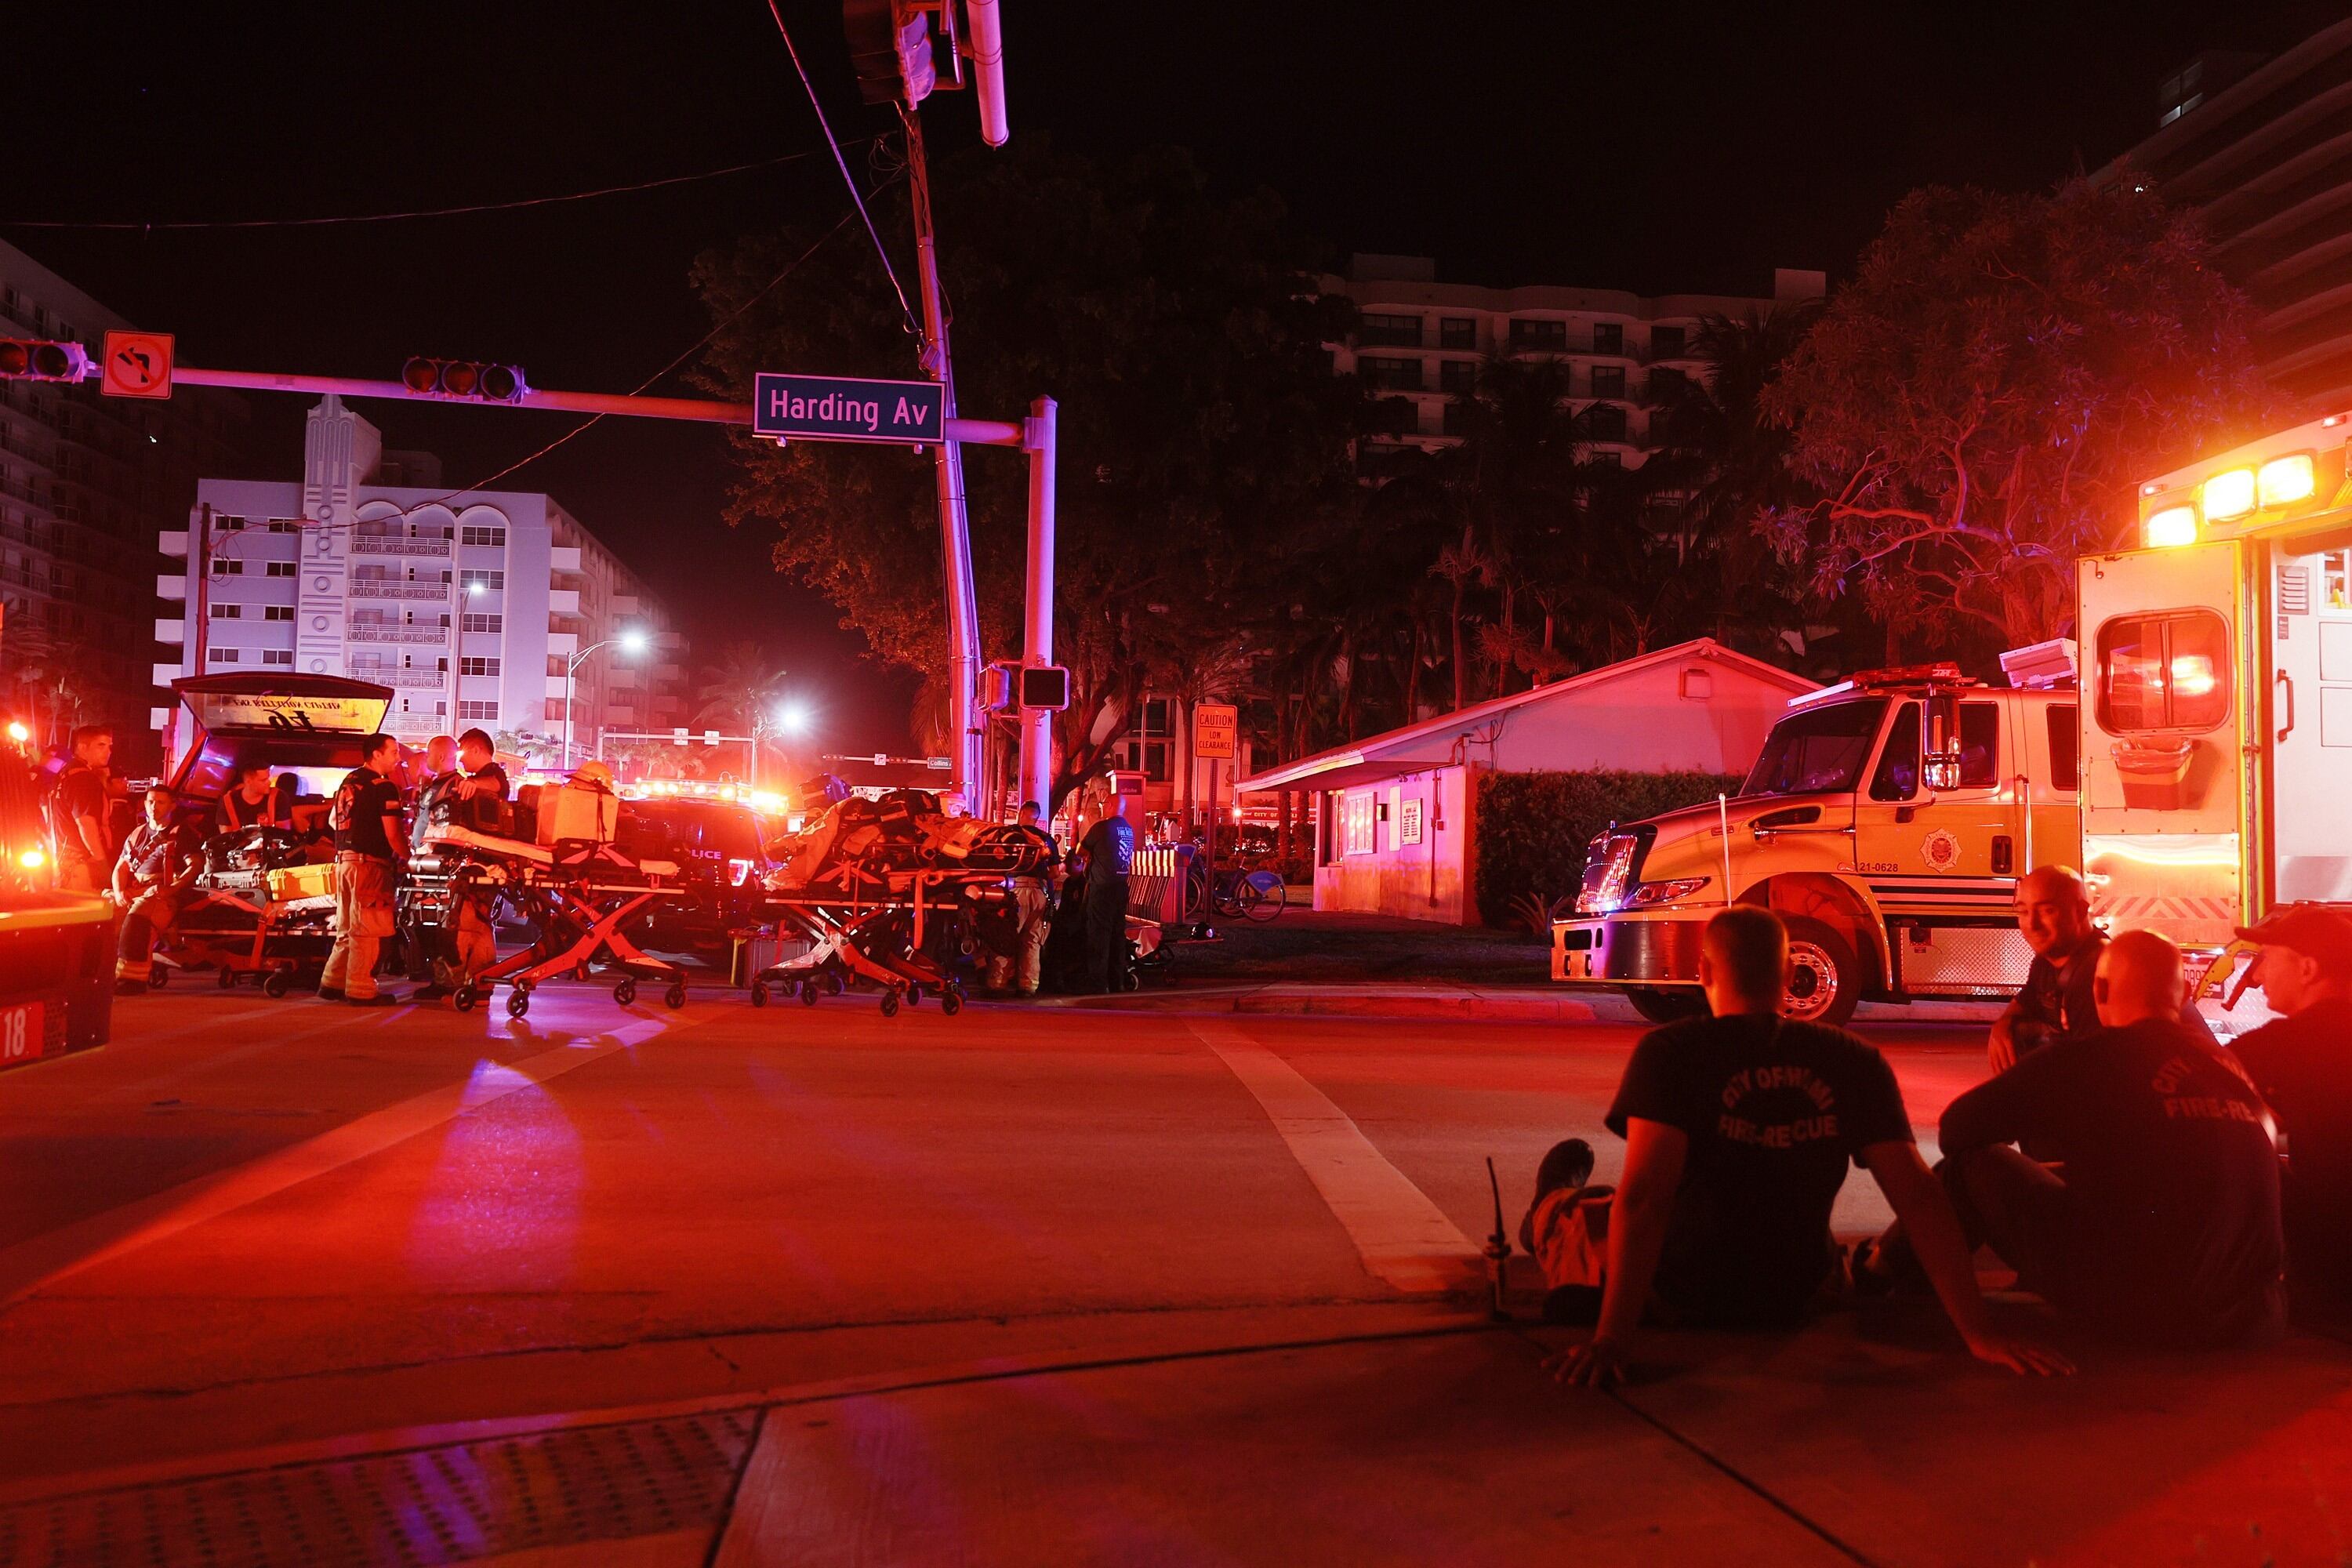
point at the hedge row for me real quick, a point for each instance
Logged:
(1533, 827)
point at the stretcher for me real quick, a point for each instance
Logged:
(577, 894)
(864, 885)
(259, 911)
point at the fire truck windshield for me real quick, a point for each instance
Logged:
(1817, 750)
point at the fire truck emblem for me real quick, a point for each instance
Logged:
(1941, 850)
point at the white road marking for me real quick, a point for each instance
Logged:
(43, 1260)
(1405, 1240)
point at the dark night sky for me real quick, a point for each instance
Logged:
(1655, 147)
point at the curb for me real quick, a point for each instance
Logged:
(1405, 1005)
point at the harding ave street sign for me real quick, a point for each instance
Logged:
(836, 408)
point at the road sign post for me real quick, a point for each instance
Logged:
(1213, 724)
(843, 408)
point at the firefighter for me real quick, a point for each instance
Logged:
(81, 843)
(474, 795)
(151, 881)
(252, 801)
(369, 847)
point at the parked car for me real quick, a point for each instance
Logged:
(719, 849)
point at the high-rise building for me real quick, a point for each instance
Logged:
(473, 606)
(86, 481)
(1420, 342)
(2260, 147)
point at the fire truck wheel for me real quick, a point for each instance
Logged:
(276, 985)
(1826, 981)
(759, 994)
(1662, 1005)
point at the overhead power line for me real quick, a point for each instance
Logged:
(422, 212)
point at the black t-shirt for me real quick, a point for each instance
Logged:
(2063, 997)
(1774, 1110)
(82, 792)
(1110, 849)
(2172, 1209)
(236, 812)
(481, 813)
(362, 801)
(2303, 1066)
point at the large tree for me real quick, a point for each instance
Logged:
(1199, 424)
(1976, 406)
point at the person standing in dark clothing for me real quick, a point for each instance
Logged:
(2163, 1226)
(1739, 1131)
(2054, 915)
(80, 805)
(369, 844)
(1109, 849)
(2302, 1063)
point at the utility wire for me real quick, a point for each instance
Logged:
(906, 311)
(721, 325)
(429, 212)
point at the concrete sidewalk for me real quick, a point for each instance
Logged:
(1409, 1000)
(1868, 1439)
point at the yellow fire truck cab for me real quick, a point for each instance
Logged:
(1887, 821)
(2217, 676)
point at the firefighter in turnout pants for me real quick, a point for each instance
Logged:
(369, 848)
(151, 879)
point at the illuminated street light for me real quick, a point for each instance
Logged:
(631, 640)
(792, 716)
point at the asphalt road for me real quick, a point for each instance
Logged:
(248, 1231)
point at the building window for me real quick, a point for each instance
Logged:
(277, 612)
(227, 567)
(1356, 822)
(1608, 338)
(277, 656)
(485, 711)
(558, 664)
(477, 666)
(1458, 418)
(1395, 332)
(471, 534)
(2065, 761)
(1457, 375)
(229, 524)
(489, 579)
(283, 525)
(223, 655)
(1608, 381)
(1667, 342)
(228, 611)
(485, 623)
(1457, 332)
(1392, 374)
(1667, 385)
(1525, 335)
(1605, 422)
(282, 569)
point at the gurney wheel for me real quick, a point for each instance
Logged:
(833, 983)
(675, 998)
(157, 975)
(275, 984)
(518, 1004)
(225, 978)
(463, 998)
(759, 994)
(808, 993)
(950, 1003)
(625, 991)
(890, 1004)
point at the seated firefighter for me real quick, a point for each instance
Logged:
(2299, 1061)
(2162, 1227)
(1737, 1131)
(151, 879)
(2056, 1003)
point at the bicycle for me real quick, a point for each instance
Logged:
(1253, 895)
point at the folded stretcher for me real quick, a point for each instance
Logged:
(577, 892)
(867, 883)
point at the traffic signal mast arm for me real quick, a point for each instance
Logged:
(977, 432)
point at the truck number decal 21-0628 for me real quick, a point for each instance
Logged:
(1868, 866)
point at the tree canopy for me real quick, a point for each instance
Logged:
(1975, 407)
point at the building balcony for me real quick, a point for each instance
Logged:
(435, 591)
(166, 673)
(563, 558)
(405, 679)
(171, 542)
(174, 587)
(368, 545)
(565, 643)
(625, 605)
(422, 635)
(563, 601)
(170, 631)
(556, 686)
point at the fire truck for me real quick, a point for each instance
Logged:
(2200, 776)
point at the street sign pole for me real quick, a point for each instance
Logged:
(1037, 775)
(964, 735)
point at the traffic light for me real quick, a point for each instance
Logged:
(464, 378)
(891, 49)
(37, 358)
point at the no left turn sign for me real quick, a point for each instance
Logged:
(137, 364)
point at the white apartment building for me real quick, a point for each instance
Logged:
(1419, 344)
(470, 606)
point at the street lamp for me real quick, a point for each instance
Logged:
(632, 640)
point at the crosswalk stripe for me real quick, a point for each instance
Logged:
(1404, 1239)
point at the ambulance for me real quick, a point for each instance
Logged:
(2198, 768)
